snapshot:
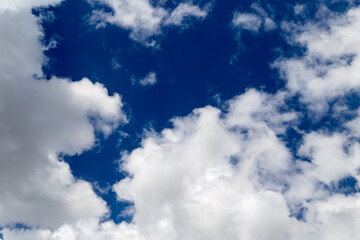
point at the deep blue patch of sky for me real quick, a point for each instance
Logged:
(192, 66)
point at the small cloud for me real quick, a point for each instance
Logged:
(269, 24)
(254, 21)
(46, 17)
(122, 136)
(217, 99)
(101, 189)
(299, 9)
(183, 11)
(149, 80)
(127, 212)
(115, 65)
(247, 21)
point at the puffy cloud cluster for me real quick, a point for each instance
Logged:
(228, 175)
(145, 20)
(210, 176)
(329, 67)
(41, 120)
(89, 229)
(216, 174)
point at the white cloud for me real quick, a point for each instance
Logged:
(230, 177)
(253, 21)
(25, 4)
(184, 10)
(330, 163)
(16, 48)
(41, 119)
(83, 230)
(149, 80)
(213, 175)
(330, 65)
(247, 21)
(299, 9)
(184, 185)
(115, 65)
(269, 24)
(338, 217)
(139, 16)
(227, 175)
(145, 20)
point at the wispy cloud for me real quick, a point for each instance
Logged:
(253, 21)
(149, 80)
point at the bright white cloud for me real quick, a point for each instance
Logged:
(145, 20)
(330, 65)
(82, 230)
(139, 16)
(213, 175)
(41, 119)
(228, 176)
(185, 185)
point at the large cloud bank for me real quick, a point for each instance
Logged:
(216, 174)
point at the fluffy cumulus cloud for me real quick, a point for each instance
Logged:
(329, 67)
(41, 120)
(216, 174)
(206, 177)
(229, 176)
(144, 19)
(83, 230)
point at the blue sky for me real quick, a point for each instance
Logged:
(139, 119)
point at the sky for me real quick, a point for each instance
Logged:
(179, 120)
